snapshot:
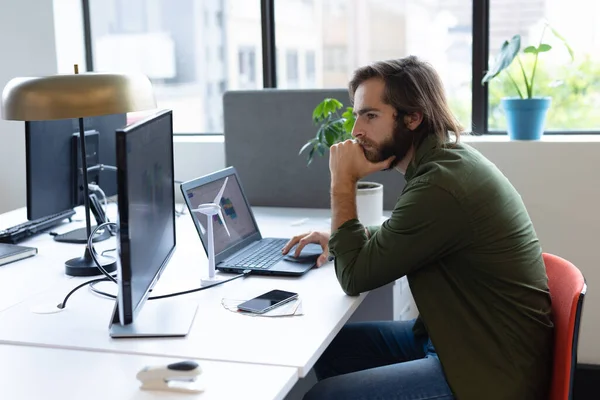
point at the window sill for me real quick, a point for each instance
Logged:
(199, 139)
(574, 138)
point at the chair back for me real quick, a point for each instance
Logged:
(567, 290)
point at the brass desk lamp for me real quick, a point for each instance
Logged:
(67, 96)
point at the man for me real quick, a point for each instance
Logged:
(462, 236)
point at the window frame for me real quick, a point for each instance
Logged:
(480, 57)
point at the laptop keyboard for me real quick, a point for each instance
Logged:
(263, 256)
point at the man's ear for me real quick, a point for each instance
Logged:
(413, 120)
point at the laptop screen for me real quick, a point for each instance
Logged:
(235, 212)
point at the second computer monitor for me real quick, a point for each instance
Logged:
(53, 164)
(146, 234)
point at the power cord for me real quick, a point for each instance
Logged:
(164, 296)
(111, 278)
(63, 304)
(96, 188)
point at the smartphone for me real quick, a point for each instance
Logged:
(267, 301)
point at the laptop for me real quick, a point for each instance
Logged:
(244, 247)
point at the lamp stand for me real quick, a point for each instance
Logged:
(85, 265)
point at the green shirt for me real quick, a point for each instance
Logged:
(462, 236)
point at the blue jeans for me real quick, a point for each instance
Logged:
(379, 360)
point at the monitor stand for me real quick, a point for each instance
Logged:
(157, 318)
(80, 236)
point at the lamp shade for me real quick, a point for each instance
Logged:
(67, 96)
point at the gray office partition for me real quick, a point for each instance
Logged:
(265, 129)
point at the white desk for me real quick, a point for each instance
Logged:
(28, 373)
(22, 279)
(217, 334)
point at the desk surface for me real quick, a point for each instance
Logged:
(217, 334)
(25, 278)
(43, 373)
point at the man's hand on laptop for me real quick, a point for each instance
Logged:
(302, 240)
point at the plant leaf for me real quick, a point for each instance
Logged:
(330, 106)
(348, 113)
(563, 40)
(542, 48)
(321, 132)
(318, 111)
(310, 155)
(321, 149)
(348, 120)
(330, 137)
(307, 145)
(337, 103)
(340, 131)
(504, 58)
(334, 105)
(349, 125)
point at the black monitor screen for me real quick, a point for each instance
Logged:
(146, 208)
(53, 161)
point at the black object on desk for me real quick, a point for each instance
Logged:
(11, 252)
(79, 235)
(18, 233)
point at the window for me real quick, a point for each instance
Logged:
(183, 47)
(310, 68)
(68, 28)
(574, 85)
(347, 34)
(247, 67)
(291, 67)
(336, 59)
(222, 87)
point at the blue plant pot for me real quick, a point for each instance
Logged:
(525, 118)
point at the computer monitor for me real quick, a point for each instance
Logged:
(53, 166)
(146, 228)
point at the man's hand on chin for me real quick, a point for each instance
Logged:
(348, 163)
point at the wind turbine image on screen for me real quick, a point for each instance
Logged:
(211, 209)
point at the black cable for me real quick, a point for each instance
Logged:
(164, 296)
(92, 251)
(64, 302)
(108, 277)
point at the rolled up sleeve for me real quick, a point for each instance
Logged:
(426, 224)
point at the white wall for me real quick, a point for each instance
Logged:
(196, 156)
(27, 48)
(558, 180)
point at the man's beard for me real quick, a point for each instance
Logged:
(398, 145)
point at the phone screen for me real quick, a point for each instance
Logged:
(267, 301)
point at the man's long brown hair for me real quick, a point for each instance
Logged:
(412, 85)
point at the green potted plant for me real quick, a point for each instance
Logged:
(335, 124)
(525, 114)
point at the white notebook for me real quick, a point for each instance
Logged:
(12, 252)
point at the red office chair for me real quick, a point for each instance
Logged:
(567, 290)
